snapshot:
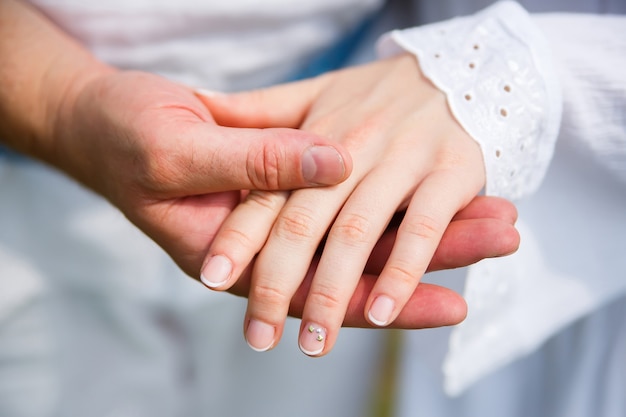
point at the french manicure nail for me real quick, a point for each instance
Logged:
(312, 339)
(260, 336)
(322, 165)
(381, 310)
(216, 272)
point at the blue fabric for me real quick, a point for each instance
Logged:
(337, 55)
(6, 153)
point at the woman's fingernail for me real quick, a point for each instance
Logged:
(216, 272)
(381, 310)
(260, 336)
(312, 339)
(322, 165)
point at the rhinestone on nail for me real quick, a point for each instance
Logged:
(318, 330)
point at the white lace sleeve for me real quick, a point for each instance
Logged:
(496, 70)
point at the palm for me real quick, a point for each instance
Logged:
(151, 131)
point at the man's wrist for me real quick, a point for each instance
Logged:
(58, 141)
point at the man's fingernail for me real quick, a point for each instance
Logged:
(216, 272)
(312, 339)
(322, 165)
(381, 310)
(260, 336)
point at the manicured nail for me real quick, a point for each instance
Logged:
(312, 339)
(216, 272)
(260, 336)
(381, 310)
(322, 165)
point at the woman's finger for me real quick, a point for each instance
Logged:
(285, 259)
(463, 243)
(353, 235)
(429, 306)
(240, 238)
(431, 208)
(285, 105)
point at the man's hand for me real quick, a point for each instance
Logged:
(153, 149)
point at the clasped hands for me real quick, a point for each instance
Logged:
(385, 182)
(409, 156)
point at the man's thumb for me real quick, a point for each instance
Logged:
(272, 157)
(265, 159)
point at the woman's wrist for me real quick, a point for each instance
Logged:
(496, 70)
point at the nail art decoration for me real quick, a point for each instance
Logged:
(313, 339)
(320, 336)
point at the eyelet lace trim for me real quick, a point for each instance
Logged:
(496, 71)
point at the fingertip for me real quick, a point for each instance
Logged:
(260, 336)
(456, 310)
(325, 165)
(450, 307)
(381, 311)
(510, 240)
(216, 272)
(503, 209)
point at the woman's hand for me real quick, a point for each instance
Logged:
(483, 229)
(409, 154)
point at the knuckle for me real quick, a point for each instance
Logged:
(402, 275)
(363, 132)
(236, 238)
(264, 167)
(325, 297)
(269, 297)
(268, 200)
(297, 223)
(422, 226)
(352, 229)
(451, 157)
(158, 171)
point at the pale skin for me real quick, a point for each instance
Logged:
(154, 150)
(409, 154)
